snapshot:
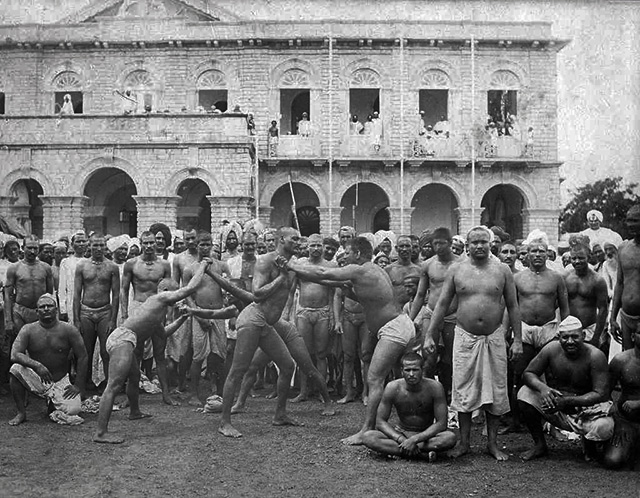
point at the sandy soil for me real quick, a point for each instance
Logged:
(179, 453)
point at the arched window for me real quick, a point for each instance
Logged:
(68, 98)
(502, 100)
(434, 98)
(295, 102)
(212, 91)
(139, 86)
(364, 96)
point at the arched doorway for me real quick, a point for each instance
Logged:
(307, 203)
(27, 207)
(194, 209)
(111, 208)
(503, 206)
(365, 207)
(434, 206)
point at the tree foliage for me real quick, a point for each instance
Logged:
(610, 196)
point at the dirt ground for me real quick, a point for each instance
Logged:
(179, 453)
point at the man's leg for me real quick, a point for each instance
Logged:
(159, 345)
(260, 360)
(305, 328)
(619, 450)
(216, 363)
(89, 335)
(445, 367)
(122, 361)
(379, 442)
(533, 420)
(19, 393)
(321, 342)
(493, 424)
(349, 347)
(464, 419)
(368, 346)
(102, 329)
(384, 358)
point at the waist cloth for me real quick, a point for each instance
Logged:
(592, 422)
(208, 336)
(628, 323)
(27, 315)
(480, 372)
(589, 331)
(399, 330)
(178, 343)
(52, 391)
(314, 315)
(539, 336)
(120, 336)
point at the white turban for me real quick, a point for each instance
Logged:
(537, 235)
(594, 214)
(115, 242)
(135, 241)
(570, 323)
(385, 234)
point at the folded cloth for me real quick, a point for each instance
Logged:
(213, 404)
(62, 418)
(178, 343)
(480, 372)
(52, 391)
(208, 336)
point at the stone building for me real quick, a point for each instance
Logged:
(130, 112)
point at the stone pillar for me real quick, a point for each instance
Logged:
(465, 221)
(329, 220)
(542, 219)
(396, 224)
(156, 210)
(63, 215)
(264, 215)
(229, 208)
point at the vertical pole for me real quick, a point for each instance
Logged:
(257, 185)
(330, 210)
(473, 124)
(402, 136)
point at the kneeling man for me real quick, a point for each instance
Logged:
(421, 406)
(40, 357)
(575, 397)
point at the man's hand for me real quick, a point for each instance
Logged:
(281, 263)
(409, 446)
(64, 317)
(71, 392)
(429, 345)
(515, 351)
(550, 400)
(338, 328)
(630, 406)
(614, 328)
(44, 373)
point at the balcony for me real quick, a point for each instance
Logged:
(436, 147)
(295, 146)
(123, 129)
(364, 146)
(502, 147)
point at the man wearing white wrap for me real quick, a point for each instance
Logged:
(598, 234)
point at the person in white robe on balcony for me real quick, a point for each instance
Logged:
(304, 125)
(598, 234)
(67, 106)
(355, 126)
(442, 128)
(376, 131)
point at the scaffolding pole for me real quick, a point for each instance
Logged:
(473, 138)
(330, 211)
(402, 134)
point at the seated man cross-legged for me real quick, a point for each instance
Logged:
(421, 406)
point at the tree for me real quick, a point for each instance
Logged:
(610, 196)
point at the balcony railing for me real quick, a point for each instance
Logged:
(503, 146)
(436, 147)
(364, 146)
(294, 146)
(122, 129)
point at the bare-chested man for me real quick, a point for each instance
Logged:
(574, 396)
(313, 313)
(394, 329)
(143, 273)
(147, 321)
(483, 287)
(624, 446)
(626, 297)
(209, 336)
(421, 406)
(401, 269)
(26, 281)
(40, 356)
(68, 274)
(96, 300)
(509, 255)
(271, 285)
(587, 293)
(431, 281)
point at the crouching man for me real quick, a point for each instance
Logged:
(576, 395)
(40, 357)
(421, 405)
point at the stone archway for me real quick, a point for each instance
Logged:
(503, 206)
(365, 207)
(307, 204)
(27, 207)
(110, 208)
(434, 206)
(194, 208)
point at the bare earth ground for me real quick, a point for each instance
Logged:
(179, 453)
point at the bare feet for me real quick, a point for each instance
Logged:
(300, 398)
(283, 420)
(170, 401)
(238, 408)
(272, 395)
(459, 450)
(227, 430)
(18, 419)
(107, 438)
(350, 397)
(353, 440)
(495, 452)
(328, 411)
(365, 400)
(536, 452)
(139, 415)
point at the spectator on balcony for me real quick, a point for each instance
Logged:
(129, 101)
(355, 126)
(513, 127)
(273, 137)
(251, 124)
(528, 148)
(304, 125)
(441, 128)
(429, 135)
(367, 128)
(421, 126)
(67, 106)
(376, 131)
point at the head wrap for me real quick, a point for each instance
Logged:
(609, 243)
(164, 229)
(537, 235)
(115, 242)
(234, 227)
(47, 297)
(380, 255)
(385, 234)
(570, 323)
(60, 245)
(347, 228)
(76, 233)
(254, 225)
(459, 238)
(135, 241)
(594, 214)
(484, 229)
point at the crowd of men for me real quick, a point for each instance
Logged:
(440, 327)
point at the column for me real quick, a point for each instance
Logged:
(465, 221)
(542, 219)
(396, 224)
(329, 220)
(264, 215)
(230, 208)
(157, 210)
(63, 215)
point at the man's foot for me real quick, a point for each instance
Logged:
(272, 395)
(353, 440)
(495, 452)
(285, 420)
(139, 415)
(328, 411)
(108, 439)
(430, 456)
(365, 400)
(170, 401)
(537, 451)
(238, 408)
(459, 450)
(350, 397)
(300, 398)
(18, 419)
(195, 402)
(227, 430)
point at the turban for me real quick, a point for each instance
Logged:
(537, 235)
(47, 297)
(115, 242)
(234, 227)
(76, 233)
(570, 323)
(164, 229)
(609, 243)
(594, 215)
(254, 225)
(347, 228)
(60, 245)
(370, 237)
(385, 234)
(135, 241)
(482, 228)
(459, 238)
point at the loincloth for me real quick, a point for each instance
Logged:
(589, 331)
(52, 391)
(480, 372)
(539, 336)
(24, 314)
(354, 317)
(399, 330)
(314, 315)
(208, 336)
(120, 336)
(178, 343)
(96, 315)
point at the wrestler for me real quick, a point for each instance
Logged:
(588, 295)
(483, 287)
(373, 290)
(626, 297)
(271, 285)
(624, 446)
(143, 274)
(432, 277)
(509, 255)
(313, 313)
(421, 407)
(96, 300)
(575, 396)
(40, 357)
(402, 268)
(68, 274)
(330, 247)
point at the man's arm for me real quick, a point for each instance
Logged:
(286, 312)
(9, 289)
(115, 296)
(175, 325)
(600, 382)
(19, 355)
(172, 297)
(563, 298)
(77, 295)
(262, 287)
(338, 303)
(511, 304)
(384, 412)
(177, 270)
(244, 295)
(316, 273)
(48, 278)
(423, 287)
(127, 277)
(602, 306)
(432, 335)
(617, 299)
(219, 314)
(532, 378)
(80, 352)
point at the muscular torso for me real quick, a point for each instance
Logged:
(180, 264)
(30, 281)
(96, 281)
(415, 409)
(627, 365)
(50, 347)
(208, 294)
(583, 295)
(374, 291)
(145, 277)
(397, 273)
(570, 375)
(313, 295)
(435, 270)
(537, 295)
(273, 305)
(351, 305)
(629, 260)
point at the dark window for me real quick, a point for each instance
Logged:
(207, 98)
(501, 104)
(293, 102)
(363, 102)
(435, 104)
(76, 100)
(1, 102)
